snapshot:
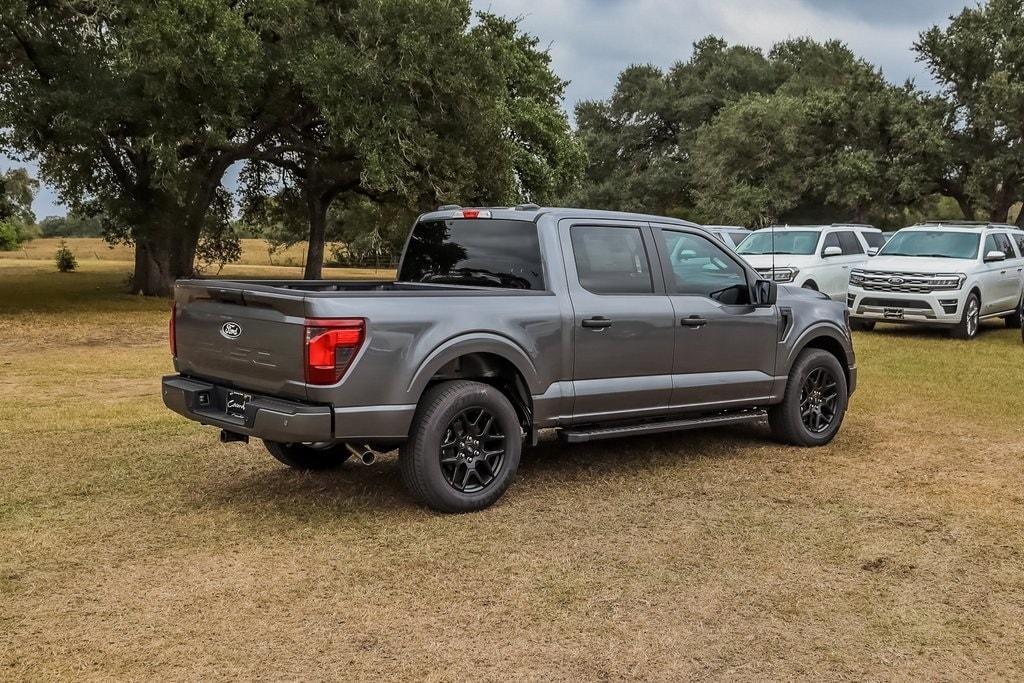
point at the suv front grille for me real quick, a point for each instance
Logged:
(912, 283)
(894, 303)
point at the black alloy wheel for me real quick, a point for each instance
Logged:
(818, 400)
(472, 450)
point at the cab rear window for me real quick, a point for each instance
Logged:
(474, 252)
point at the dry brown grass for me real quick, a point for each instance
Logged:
(133, 545)
(255, 252)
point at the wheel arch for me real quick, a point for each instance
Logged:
(828, 338)
(486, 358)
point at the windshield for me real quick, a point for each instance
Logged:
(788, 242)
(480, 253)
(932, 243)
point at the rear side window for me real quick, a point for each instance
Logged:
(1018, 237)
(738, 237)
(874, 239)
(611, 260)
(480, 253)
(850, 244)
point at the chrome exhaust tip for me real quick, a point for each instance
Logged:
(366, 456)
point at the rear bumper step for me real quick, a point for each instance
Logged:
(613, 432)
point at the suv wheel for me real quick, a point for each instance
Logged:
(815, 402)
(1014, 321)
(967, 328)
(463, 448)
(302, 457)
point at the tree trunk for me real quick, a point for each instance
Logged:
(317, 207)
(1020, 215)
(966, 206)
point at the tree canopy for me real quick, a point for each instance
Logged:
(136, 110)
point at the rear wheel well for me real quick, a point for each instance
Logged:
(831, 345)
(495, 370)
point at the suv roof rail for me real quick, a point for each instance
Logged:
(528, 206)
(853, 225)
(945, 221)
(448, 207)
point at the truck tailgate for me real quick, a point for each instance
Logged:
(241, 338)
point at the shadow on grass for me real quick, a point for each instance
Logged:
(908, 331)
(355, 489)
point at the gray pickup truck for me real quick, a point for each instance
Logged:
(501, 323)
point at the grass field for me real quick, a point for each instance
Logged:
(134, 545)
(255, 252)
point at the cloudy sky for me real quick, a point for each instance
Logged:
(592, 40)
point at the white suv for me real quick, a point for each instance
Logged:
(817, 257)
(954, 274)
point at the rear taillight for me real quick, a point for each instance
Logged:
(330, 347)
(172, 335)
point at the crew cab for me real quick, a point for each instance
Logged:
(503, 322)
(942, 274)
(817, 257)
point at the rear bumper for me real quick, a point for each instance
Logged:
(264, 417)
(286, 421)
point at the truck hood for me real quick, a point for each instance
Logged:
(915, 264)
(781, 260)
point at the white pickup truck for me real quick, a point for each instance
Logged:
(942, 274)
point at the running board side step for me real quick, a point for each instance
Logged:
(597, 433)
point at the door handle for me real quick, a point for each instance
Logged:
(598, 322)
(694, 321)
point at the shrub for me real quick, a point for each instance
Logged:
(66, 261)
(10, 235)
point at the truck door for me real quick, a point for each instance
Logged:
(623, 330)
(725, 348)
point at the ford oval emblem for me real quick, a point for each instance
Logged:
(231, 330)
(896, 281)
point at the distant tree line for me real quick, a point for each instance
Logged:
(348, 118)
(811, 132)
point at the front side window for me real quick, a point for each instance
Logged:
(802, 242)
(702, 268)
(874, 239)
(1018, 237)
(480, 253)
(849, 243)
(611, 260)
(933, 244)
(1003, 245)
(831, 240)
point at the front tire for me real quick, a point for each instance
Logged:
(302, 457)
(463, 448)
(814, 405)
(970, 320)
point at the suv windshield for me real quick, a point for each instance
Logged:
(788, 242)
(480, 253)
(932, 243)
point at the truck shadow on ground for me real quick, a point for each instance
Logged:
(547, 466)
(922, 332)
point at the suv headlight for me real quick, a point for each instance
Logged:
(949, 281)
(856, 277)
(785, 274)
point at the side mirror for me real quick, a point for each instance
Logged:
(832, 251)
(872, 251)
(765, 292)
(995, 255)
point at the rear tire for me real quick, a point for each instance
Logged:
(302, 457)
(463, 448)
(970, 320)
(862, 325)
(814, 405)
